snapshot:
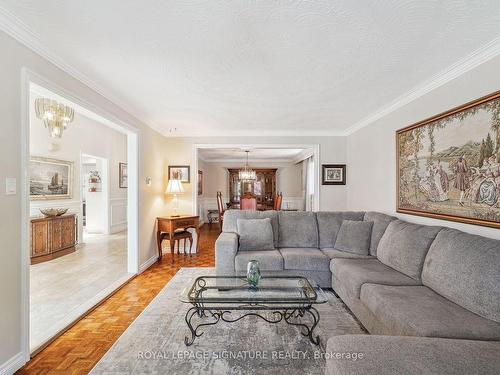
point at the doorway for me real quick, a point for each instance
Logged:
(93, 253)
(95, 186)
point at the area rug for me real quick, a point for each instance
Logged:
(154, 343)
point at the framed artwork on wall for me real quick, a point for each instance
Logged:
(333, 174)
(200, 182)
(448, 166)
(50, 178)
(179, 172)
(123, 175)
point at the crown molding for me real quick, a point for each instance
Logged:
(18, 30)
(469, 62)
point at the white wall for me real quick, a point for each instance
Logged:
(372, 150)
(84, 136)
(152, 163)
(332, 150)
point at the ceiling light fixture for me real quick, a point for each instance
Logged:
(56, 116)
(247, 174)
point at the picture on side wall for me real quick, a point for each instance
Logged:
(179, 172)
(50, 178)
(448, 166)
(334, 174)
(200, 182)
(123, 176)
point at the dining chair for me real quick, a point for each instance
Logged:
(248, 203)
(220, 208)
(278, 200)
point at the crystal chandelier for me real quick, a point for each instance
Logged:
(246, 174)
(56, 116)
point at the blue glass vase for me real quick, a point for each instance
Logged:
(253, 273)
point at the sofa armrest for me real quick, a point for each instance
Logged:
(226, 248)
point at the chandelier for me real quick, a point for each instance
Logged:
(56, 116)
(246, 174)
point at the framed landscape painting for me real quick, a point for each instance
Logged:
(448, 166)
(50, 178)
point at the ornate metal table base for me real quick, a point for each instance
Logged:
(292, 316)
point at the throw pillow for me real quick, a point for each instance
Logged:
(354, 237)
(255, 234)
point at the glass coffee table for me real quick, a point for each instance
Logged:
(231, 298)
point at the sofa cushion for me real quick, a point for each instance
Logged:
(465, 268)
(230, 223)
(297, 229)
(334, 253)
(396, 355)
(419, 311)
(329, 224)
(353, 273)
(354, 237)
(380, 224)
(269, 260)
(255, 234)
(404, 246)
(304, 259)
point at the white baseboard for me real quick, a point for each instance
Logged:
(12, 365)
(144, 266)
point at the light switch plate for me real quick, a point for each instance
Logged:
(10, 186)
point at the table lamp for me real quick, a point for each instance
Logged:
(175, 187)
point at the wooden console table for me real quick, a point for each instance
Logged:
(169, 224)
(52, 237)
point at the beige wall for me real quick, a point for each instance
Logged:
(152, 162)
(332, 150)
(372, 150)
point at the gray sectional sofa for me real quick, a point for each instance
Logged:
(429, 295)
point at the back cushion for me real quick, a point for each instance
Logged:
(255, 234)
(380, 224)
(465, 269)
(230, 223)
(329, 224)
(298, 229)
(404, 246)
(354, 237)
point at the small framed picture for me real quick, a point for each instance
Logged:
(123, 176)
(200, 182)
(179, 172)
(333, 174)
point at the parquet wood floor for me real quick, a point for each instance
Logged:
(78, 349)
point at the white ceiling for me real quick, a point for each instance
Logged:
(255, 155)
(262, 68)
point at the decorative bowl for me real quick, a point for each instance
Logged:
(53, 211)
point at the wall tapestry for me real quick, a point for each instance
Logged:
(448, 166)
(50, 178)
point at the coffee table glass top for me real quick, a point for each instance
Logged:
(270, 290)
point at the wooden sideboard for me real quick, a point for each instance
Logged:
(52, 237)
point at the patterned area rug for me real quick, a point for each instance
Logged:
(154, 343)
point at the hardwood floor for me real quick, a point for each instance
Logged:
(77, 350)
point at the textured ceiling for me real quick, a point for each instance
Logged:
(258, 67)
(255, 154)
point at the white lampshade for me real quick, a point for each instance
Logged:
(174, 187)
